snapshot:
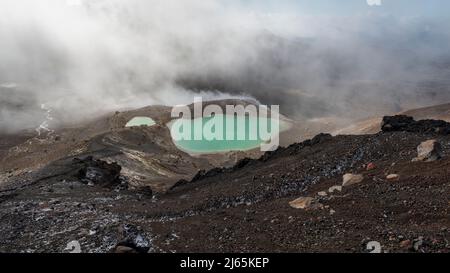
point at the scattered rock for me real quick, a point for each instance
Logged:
(335, 188)
(322, 193)
(332, 211)
(316, 206)
(351, 179)
(430, 150)
(371, 166)
(124, 249)
(393, 177)
(301, 203)
(133, 238)
(406, 244)
(417, 244)
(146, 191)
(374, 247)
(73, 247)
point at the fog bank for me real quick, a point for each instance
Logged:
(82, 58)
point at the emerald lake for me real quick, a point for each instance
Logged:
(231, 140)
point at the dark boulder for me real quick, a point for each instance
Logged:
(98, 172)
(132, 240)
(408, 124)
(146, 191)
(320, 138)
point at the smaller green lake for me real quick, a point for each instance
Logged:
(140, 121)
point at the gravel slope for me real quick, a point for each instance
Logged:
(246, 208)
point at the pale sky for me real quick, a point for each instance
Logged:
(410, 8)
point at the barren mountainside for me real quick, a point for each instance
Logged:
(400, 203)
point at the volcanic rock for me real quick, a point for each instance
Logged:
(393, 177)
(371, 166)
(335, 188)
(351, 179)
(417, 244)
(147, 191)
(133, 238)
(430, 150)
(406, 244)
(98, 172)
(301, 203)
(124, 249)
(408, 124)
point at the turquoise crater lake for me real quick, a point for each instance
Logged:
(249, 125)
(140, 121)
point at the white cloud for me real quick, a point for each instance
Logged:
(106, 54)
(374, 2)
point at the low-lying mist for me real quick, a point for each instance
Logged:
(84, 58)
